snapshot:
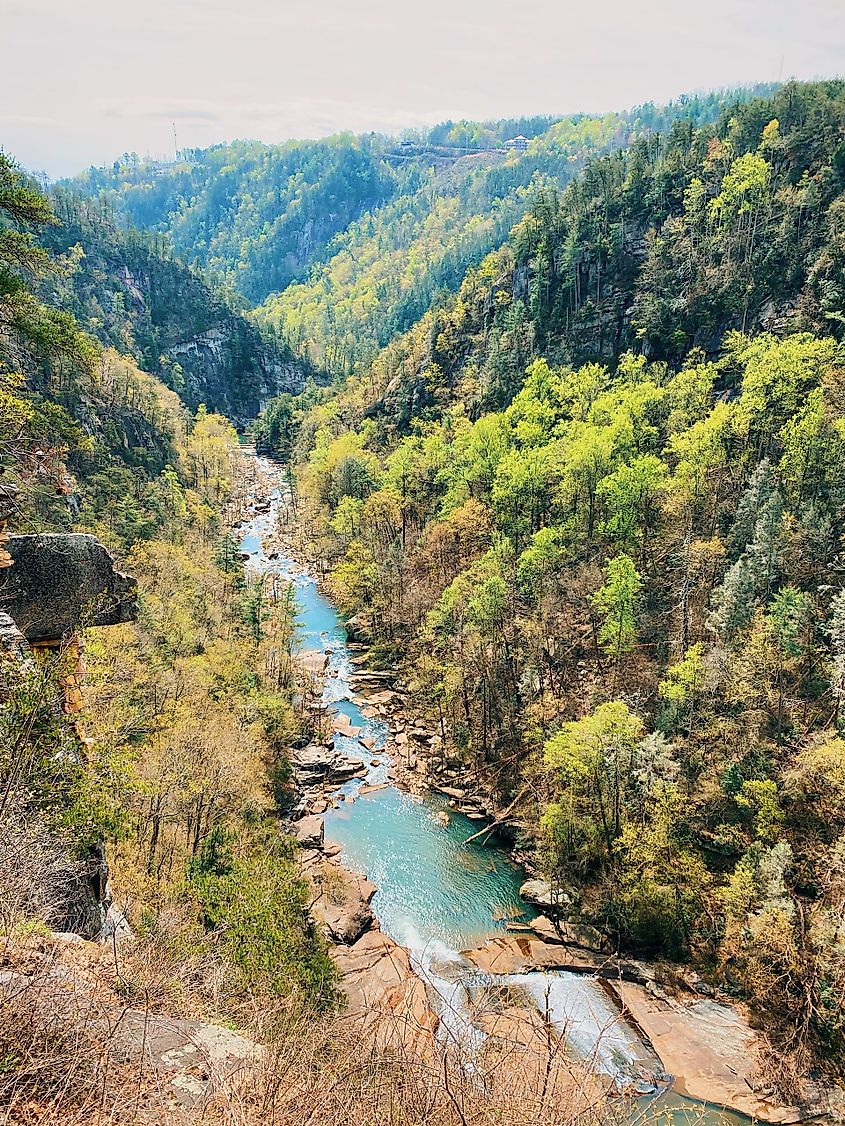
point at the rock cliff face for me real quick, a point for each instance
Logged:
(136, 298)
(59, 583)
(56, 585)
(228, 366)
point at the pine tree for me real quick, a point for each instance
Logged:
(758, 491)
(733, 601)
(765, 551)
(836, 629)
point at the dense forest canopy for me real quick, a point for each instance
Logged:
(593, 500)
(371, 229)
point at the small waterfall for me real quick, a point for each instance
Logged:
(589, 1023)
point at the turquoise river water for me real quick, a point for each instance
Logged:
(437, 895)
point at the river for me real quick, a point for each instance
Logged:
(437, 895)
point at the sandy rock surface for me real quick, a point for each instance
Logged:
(382, 988)
(713, 1053)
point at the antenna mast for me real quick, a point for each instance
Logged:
(175, 149)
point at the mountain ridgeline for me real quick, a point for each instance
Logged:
(370, 229)
(661, 247)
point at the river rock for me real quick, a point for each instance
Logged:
(313, 763)
(713, 1053)
(314, 661)
(358, 629)
(386, 696)
(541, 893)
(343, 725)
(345, 768)
(309, 832)
(516, 954)
(422, 735)
(345, 922)
(441, 819)
(569, 934)
(383, 991)
(454, 792)
(340, 900)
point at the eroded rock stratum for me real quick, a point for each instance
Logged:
(59, 583)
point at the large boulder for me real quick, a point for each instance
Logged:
(315, 764)
(59, 583)
(358, 629)
(309, 832)
(542, 894)
(340, 899)
(346, 922)
(383, 991)
(568, 933)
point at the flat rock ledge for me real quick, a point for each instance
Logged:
(384, 993)
(176, 1071)
(708, 1046)
(713, 1053)
(59, 583)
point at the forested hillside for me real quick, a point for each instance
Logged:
(661, 247)
(89, 442)
(382, 225)
(594, 503)
(256, 215)
(129, 290)
(387, 269)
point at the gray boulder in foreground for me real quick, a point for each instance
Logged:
(59, 583)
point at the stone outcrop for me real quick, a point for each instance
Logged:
(187, 1061)
(340, 899)
(59, 583)
(55, 585)
(309, 832)
(522, 953)
(713, 1053)
(383, 991)
(15, 654)
(182, 1071)
(541, 893)
(318, 764)
(568, 934)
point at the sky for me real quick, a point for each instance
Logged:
(87, 80)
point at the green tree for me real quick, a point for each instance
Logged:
(593, 759)
(617, 600)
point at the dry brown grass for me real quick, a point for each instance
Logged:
(39, 880)
(74, 1050)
